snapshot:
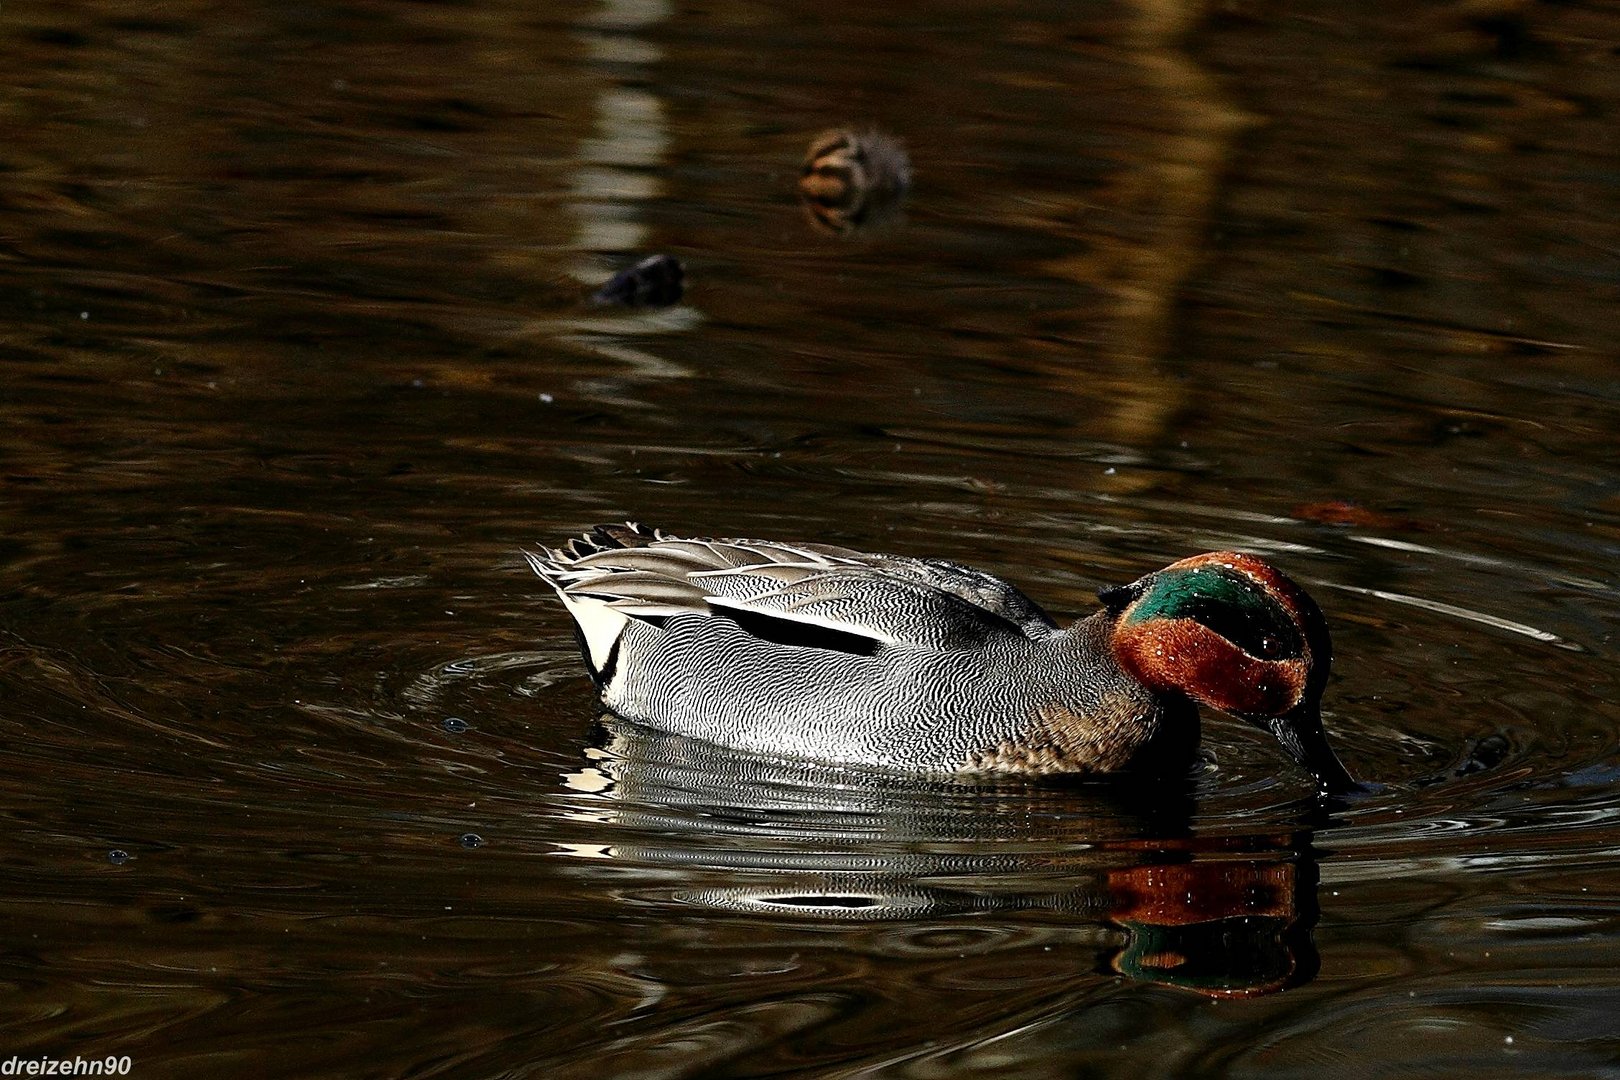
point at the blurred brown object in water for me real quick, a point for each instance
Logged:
(852, 180)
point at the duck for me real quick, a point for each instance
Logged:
(925, 666)
(852, 180)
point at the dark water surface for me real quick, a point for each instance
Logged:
(302, 777)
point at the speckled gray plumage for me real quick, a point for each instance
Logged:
(938, 668)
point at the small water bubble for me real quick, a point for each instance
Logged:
(471, 840)
(84, 315)
(546, 399)
(118, 856)
(455, 725)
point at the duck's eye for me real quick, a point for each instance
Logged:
(1227, 604)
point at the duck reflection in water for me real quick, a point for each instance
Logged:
(1225, 914)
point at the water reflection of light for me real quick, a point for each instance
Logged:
(615, 177)
(1457, 611)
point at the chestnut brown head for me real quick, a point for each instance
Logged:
(1233, 632)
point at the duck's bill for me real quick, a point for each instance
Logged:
(1300, 733)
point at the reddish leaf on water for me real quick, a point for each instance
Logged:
(1340, 512)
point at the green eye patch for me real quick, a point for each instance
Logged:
(1228, 603)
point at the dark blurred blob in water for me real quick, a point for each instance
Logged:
(656, 281)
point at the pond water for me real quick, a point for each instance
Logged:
(302, 773)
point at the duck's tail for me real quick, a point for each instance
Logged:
(556, 565)
(598, 624)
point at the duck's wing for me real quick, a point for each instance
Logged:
(975, 587)
(791, 593)
(857, 600)
(648, 573)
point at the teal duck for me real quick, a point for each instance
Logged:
(922, 665)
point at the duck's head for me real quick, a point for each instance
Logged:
(853, 180)
(1231, 631)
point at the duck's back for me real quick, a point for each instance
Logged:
(823, 652)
